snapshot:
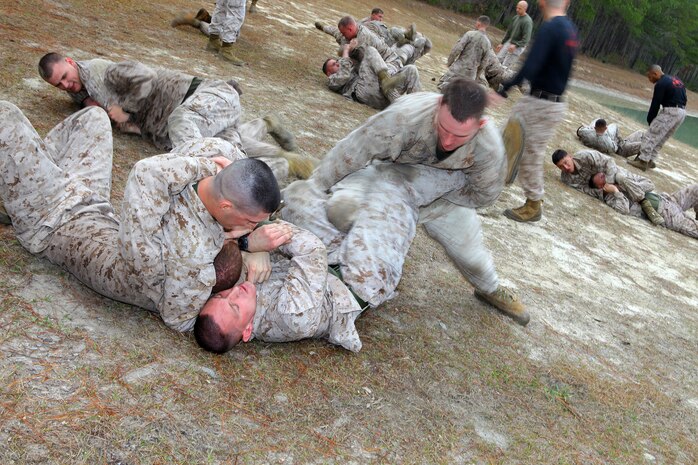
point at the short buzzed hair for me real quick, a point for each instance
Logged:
(346, 21)
(325, 64)
(656, 68)
(600, 123)
(465, 99)
(377, 11)
(558, 155)
(484, 20)
(47, 63)
(250, 185)
(210, 337)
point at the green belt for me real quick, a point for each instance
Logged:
(334, 269)
(192, 87)
(654, 200)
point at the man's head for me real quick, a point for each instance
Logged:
(597, 181)
(245, 193)
(553, 7)
(348, 27)
(330, 66)
(376, 14)
(227, 318)
(564, 161)
(61, 72)
(228, 265)
(654, 73)
(600, 126)
(482, 22)
(521, 8)
(458, 118)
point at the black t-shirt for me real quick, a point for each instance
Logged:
(669, 91)
(550, 58)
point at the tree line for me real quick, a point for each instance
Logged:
(630, 33)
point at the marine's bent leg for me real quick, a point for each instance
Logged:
(214, 107)
(674, 207)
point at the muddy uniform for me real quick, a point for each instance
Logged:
(369, 218)
(589, 162)
(610, 141)
(494, 72)
(519, 34)
(302, 300)
(227, 19)
(670, 93)
(390, 35)
(171, 107)
(547, 68)
(467, 57)
(360, 82)
(159, 257)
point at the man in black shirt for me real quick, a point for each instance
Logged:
(670, 93)
(547, 68)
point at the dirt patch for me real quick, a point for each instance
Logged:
(604, 373)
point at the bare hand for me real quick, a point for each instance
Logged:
(494, 99)
(269, 237)
(512, 48)
(90, 102)
(221, 162)
(258, 266)
(353, 43)
(609, 188)
(498, 48)
(117, 114)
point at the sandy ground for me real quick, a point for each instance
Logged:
(604, 373)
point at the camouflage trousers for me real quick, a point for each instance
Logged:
(494, 72)
(634, 186)
(369, 219)
(507, 58)
(662, 128)
(673, 209)
(367, 87)
(227, 19)
(540, 119)
(410, 53)
(302, 300)
(466, 66)
(212, 111)
(630, 146)
(57, 192)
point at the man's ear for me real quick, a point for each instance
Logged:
(247, 333)
(483, 122)
(70, 61)
(224, 204)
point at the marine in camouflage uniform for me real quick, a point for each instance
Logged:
(589, 162)
(369, 217)
(227, 19)
(158, 257)
(361, 83)
(302, 300)
(610, 141)
(632, 191)
(467, 56)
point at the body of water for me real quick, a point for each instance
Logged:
(637, 110)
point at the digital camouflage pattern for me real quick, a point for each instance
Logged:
(302, 300)
(227, 19)
(663, 126)
(467, 57)
(540, 119)
(371, 190)
(159, 256)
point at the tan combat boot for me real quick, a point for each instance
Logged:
(390, 84)
(301, 166)
(253, 7)
(651, 213)
(214, 43)
(226, 53)
(507, 303)
(185, 20)
(529, 212)
(411, 32)
(642, 164)
(280, 134)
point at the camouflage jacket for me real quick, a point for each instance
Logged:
(405, 132)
